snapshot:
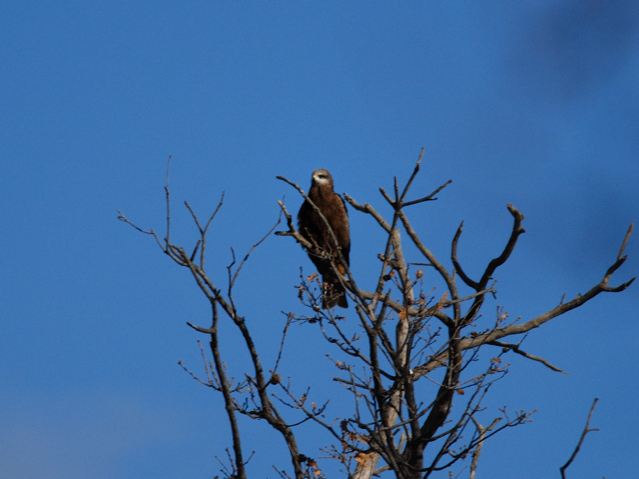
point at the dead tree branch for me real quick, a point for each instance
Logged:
(407, 353)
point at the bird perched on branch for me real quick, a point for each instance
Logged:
(313, 227)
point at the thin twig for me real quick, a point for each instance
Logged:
(168, 202)
(581, 440)
(515, 348)
(151, 232)
(430, 197)
(247, 255)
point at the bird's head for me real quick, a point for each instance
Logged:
(322, 177)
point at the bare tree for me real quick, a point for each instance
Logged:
(402, 353)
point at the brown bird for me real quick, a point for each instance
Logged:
(313, 228)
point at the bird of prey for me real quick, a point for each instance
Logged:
(314, 229)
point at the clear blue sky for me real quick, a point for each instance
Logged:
(532, 103)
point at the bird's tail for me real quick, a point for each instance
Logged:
(333, 295)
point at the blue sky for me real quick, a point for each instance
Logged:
(530, 103)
